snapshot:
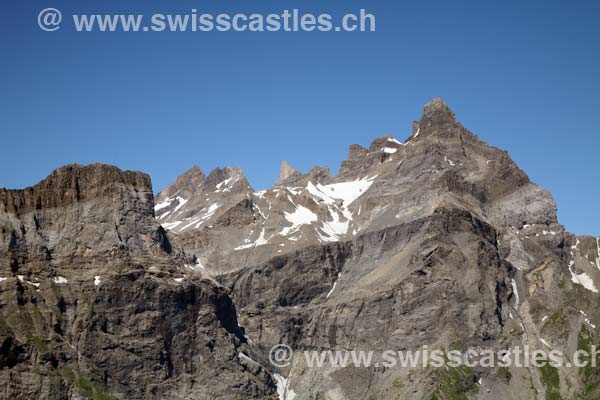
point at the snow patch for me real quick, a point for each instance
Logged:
(338, 197)
(295, 191)
(242, 356)
(182, 202)
(545, 232)
(586, 319)
(334, 285)
(345, 191)
(516, 292)
(258, 242)
(244, 246)
(163, 204)
(582, 279)
(171, 225)
(283, 389)
(197, 267)
(300, 216)
(22, 279)
(60, 279)
(389, 150)
(227, 184)
(224, 184)
(97, 280)
(204, 215)
(330, 231)
(261, 239)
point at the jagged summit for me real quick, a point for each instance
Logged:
(227, 179)
(289, 176)
(194, 198)
(188, 182)
(387, 182)
(437, 106)
(439, 241)
(194, 174)
(285, 172)
(438, 120)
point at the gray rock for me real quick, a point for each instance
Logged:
(95, 302)
(440, 241)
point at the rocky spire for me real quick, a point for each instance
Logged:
(437, 119)
(285, 172)
(438, 108)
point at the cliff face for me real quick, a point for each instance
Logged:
(96, 303)
(78, 214)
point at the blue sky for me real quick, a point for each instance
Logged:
(522, 75)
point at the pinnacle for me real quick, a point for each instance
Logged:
(437, 107)
(285, 172)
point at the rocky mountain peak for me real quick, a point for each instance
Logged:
(179, 210)
(439, 241)
(356, 151)
(193, 176)
(437, 106)
(437, 119)
(187, 183)
(285, 172)
(228, 179)
(319, 174)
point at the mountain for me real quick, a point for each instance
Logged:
(95, 302)
(439, 240)
(194, 199)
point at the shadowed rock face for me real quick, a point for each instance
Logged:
(438, 241)
(96, 303)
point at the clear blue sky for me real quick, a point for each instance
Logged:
(523, 75)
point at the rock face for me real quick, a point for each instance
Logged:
(438, 241)
(96, 303)
(194, 199)
(286, 172)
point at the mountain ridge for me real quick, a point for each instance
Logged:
(439, 241)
